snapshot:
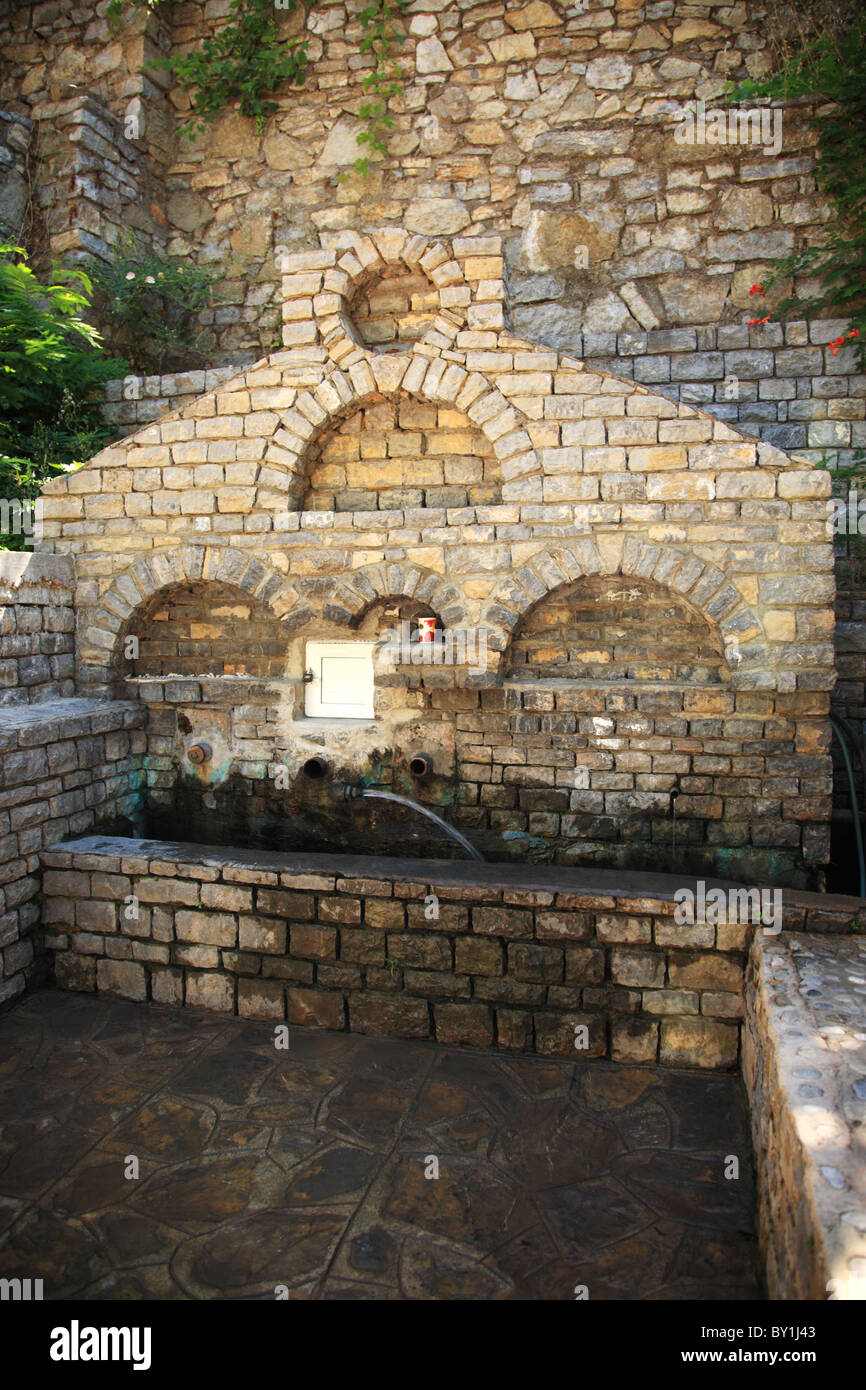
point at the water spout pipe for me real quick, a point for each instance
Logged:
(420, 766)
(315, 768)
(200, 753)
(425, 811)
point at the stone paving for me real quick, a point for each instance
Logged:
(805, 1060)
(306, 1168)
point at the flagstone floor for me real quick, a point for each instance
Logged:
(263, 1171)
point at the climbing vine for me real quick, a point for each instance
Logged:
(246, 61)
(381, 37)
(832, 67)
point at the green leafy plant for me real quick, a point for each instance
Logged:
(245, 62)
(51, 369)
(832, 68)
(150, 304)
(386, 79)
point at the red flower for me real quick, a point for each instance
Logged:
(757, 289)
(855, 333)
(754, 321)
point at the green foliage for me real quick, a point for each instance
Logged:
(386, 79)
(832, 67)
(245, 62)
(50, 369)
(150, 303)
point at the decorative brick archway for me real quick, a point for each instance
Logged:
(701, 585)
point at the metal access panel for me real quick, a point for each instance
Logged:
(342, 686)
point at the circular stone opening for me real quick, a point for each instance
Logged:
(394, 310)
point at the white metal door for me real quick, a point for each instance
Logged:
(342, 684)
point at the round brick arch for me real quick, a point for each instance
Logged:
(103, 628)
(438, 381)
(347, 599)
(362, 259)
(293, 601)
(700, 584)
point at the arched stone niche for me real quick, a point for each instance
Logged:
(616, 629)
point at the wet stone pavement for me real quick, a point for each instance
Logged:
(306, 1168)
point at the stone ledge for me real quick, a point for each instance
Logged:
(493, 879)
(55, 719)
(804, 1061)
(28, 567)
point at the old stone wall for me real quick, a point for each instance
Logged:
(484, 955)
(519, 966)
(601, 479)
(95, 187)
(37, 627)
(553, 125)
(103, 128)
(803, 1054)
(67, 765)
(16, 133)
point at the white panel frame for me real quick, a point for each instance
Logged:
(343, 684)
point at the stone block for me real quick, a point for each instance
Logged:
(384, 1016)
(260, 999)
(226, 897)
(472, 957)
(122, 977)
(705, 970)
(296, 907)
(633, 1040)
(261, 934)
(699, 1042)
(316, 942)
(421, 952)
(75, 972)
(584, 965)
(464, 1023)
(555, 1035)
(637, 968)
(528, 961)
(206, 928)
(315, 1008)
(362, 947)
(501, 921)
(211, 991)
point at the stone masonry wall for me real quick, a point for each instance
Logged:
(549, 124)
(803, 1050)
(37, 627)
(66, 766)
(96, 188)
(601, 477)
(484, 955)
(104, 133)
(311, 942)
(16, 134)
